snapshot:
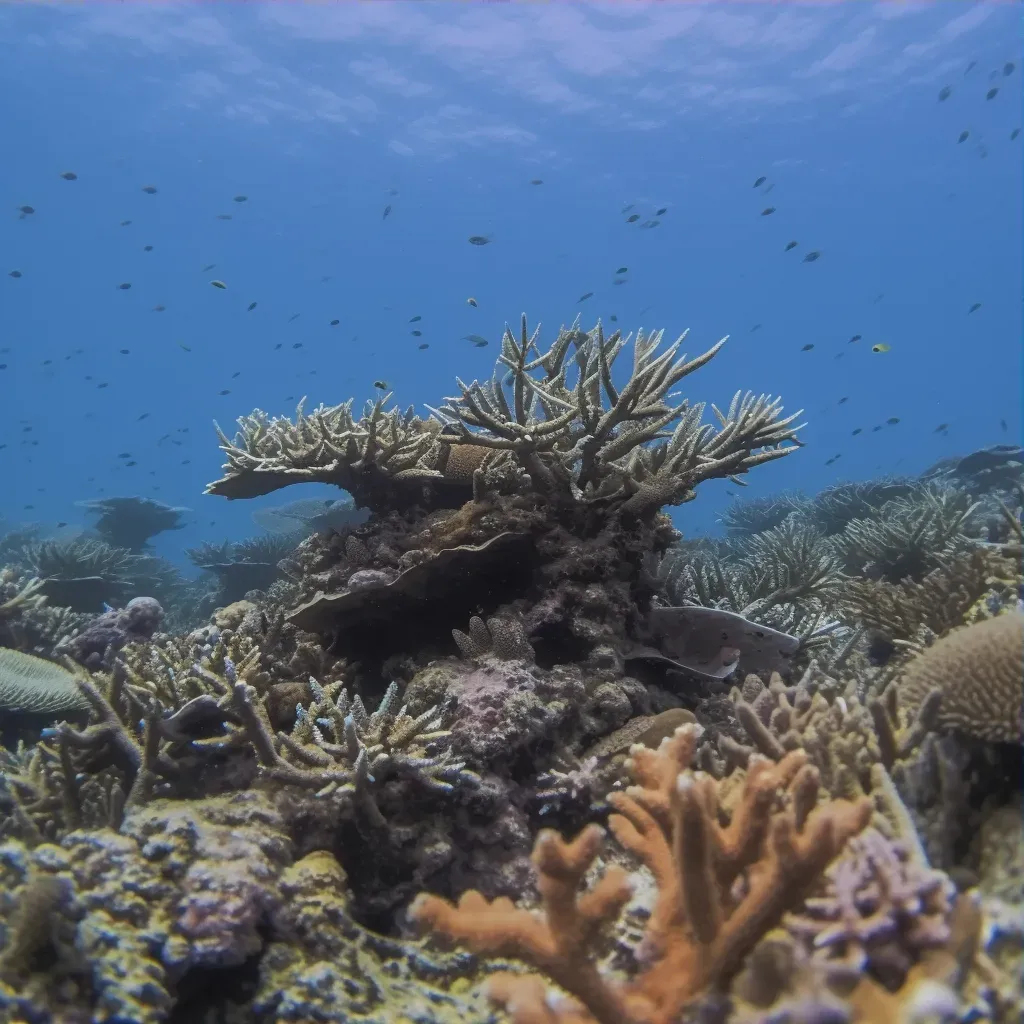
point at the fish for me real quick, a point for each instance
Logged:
(416, 334)
(125, 223)
(614, 319)
(387, 211)
(69, 175)
(650, 224)
(536, 181)
(585, 296)
(250, 307)
(767, 211)
(790, 245)
(14, 273)
(970, 67)
(813, 255)
(471, 302)
(294, 316)
(881, 347)
(241, 199)
(622, 270)
(964, 136)
(380, 385)
(26, 211)
(941, 428)
(843, 401)
(975, 306)
(147, 248)
(893, 420)
(633, 218)
(125, 351)
(159, 309)
(478, 240)
(182, 344)
(944, 93)
(1014, 134)
(807, 348)
(856, 431)
(223, 216)
(1008, 68)
(208, 267)
(423, 346)
(218, 284)
(297, 344)
(1002, 423)
(476, 339)
(711, 643)
(149, 189)
(661, 211)
(856, 337)
(226, 391)
(992, 93)
(334, 323)
(125, 285)
(415, 319)
(760, 181)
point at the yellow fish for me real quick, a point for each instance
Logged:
(880, 347)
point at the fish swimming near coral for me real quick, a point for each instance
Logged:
(712, 643)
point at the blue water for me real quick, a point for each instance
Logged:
(322, 116)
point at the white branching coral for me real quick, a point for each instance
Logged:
(556, 415)
(580, 437)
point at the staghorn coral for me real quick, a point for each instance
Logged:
(27, 621)
(247, 565)
(978, 670)
(581, 441)
(834, 508)
(755, 515)
(131, 522)
(703, 924)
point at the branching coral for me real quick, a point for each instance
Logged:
(720, 887)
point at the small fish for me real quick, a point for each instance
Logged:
(237, 373)
(964, 136)
(881, 347)
(380, 385)
(480, 344)
(536, 181)
(828, 462)
(807, 348)
(756, 327)
(855, 432)
(241, 199)
(150, 190)
(614, 319)
(415, 319)
(622, 270)
(218, 284)
(223, 216)
(1014, 134)
(182, 345)
(208, 267)
(125, 351)
(478, 240)
(423, 346)
(941, 428)
(767, 211)
(992, 93)
(633, 218)
(103, 385)
(627, 207)
(1008, 68)
(147, 248)
(124, 286)
(760, 181)
(334, 323)
(387, 211)
(159, 309)
(416, 334)
(278, 345)
(250, 307)
(125, 223)
(893, 420)
(944, 93)
(648, 224)
(297, 344)
(471, 302)
(976, 306)
(14, 273)
(661, 211)
(856, 337)
(813, 255)
(843, 401)
(144, 416)
(226, 391)
(294, 316)
(1002, 423)
(790, 245)
(970, 67)
(26, 211)
(69, 175)
(585, 296)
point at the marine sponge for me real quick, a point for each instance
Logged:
(980, 672)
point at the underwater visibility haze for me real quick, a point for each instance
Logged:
(511, 512)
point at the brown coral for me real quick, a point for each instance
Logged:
(720, 888)
(980, 672)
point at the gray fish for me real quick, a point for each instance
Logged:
(711, 643)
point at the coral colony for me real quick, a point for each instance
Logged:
(495, 743)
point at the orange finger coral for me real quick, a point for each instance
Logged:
(721, 887)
